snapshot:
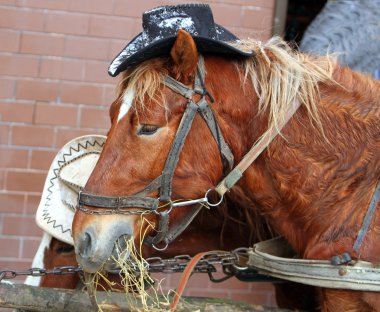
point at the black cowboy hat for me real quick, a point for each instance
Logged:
(160, 27)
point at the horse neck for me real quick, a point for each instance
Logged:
(297, 182)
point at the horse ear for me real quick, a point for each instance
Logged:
(185, 56)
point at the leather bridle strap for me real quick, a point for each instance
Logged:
(173, 156)
(234, 176)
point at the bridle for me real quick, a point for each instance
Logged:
(141, 200)
(140, 203)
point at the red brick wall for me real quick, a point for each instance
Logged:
(54, 86)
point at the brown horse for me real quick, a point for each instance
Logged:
(312, 184)
(208, 231)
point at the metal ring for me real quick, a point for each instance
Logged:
(160, 249)
(170, 202)
(213, 204)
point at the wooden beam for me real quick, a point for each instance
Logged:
(33, 298)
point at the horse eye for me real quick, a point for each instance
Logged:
(147, 130)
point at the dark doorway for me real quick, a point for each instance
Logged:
(300, 14)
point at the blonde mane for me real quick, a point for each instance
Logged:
(278, 74)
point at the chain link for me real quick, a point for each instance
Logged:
(207, 264)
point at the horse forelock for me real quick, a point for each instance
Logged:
(146, 81)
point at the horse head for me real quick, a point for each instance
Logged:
(145, 118)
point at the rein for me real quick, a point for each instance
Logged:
(146, 204)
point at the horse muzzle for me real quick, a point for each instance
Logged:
(96, 249)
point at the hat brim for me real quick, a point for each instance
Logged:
(75, 161)
(135, 52)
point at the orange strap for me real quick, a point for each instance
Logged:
(185, 278)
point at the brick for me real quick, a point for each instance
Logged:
(253, 298)
(207, 293)
(80, 93)
(41, 159)
(4, 134)
(115, 47)
(87, 48)
(244, 33)
(63, 23)
(16, 112)
(18, 65)
(121, 7)
(196, 281)
(97, 72)
(7, 87)
(7, 2)
(109, 95)
(261, 3)
(55, 115)
(11, 203)
(25, 181)
(37, 89)
(91, 6)
(29, 248)
(12, 247)
(231, 15)
(32, 136)
(16, 265)
(109, 26)
(44, 4)
(259, 18)
(21, 226)
(65, 135)
(23, 19)
(2, 179)
(95, 118)
(31, 205)
(61, 69)
(42, 44)
(12, 38)
(13, 158)
(233, 284)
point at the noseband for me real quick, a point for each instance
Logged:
(141, 203)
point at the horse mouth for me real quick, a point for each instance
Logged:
(119, 256)
(110, 258)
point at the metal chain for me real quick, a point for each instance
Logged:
(11, 274)
(236, 259)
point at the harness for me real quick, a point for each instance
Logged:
(163, 183)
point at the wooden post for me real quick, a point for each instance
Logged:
(33, 298)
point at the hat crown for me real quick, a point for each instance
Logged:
(165, 21)
(160, 27)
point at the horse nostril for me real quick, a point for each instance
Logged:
(85, 245)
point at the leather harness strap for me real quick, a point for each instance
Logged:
(367, 219)
(234, 176)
